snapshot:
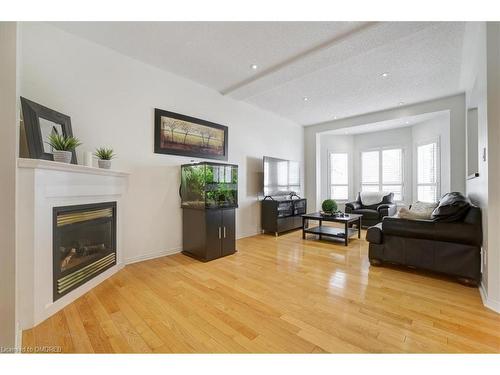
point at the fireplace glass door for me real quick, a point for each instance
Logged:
(84, 244)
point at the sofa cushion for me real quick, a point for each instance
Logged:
(374, 234)
(367, 213)
(452, 207)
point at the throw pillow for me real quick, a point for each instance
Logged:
(418, 211)
(452, 207)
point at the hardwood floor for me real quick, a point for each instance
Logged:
(274, 295)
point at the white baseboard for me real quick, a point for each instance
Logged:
(488, 302)
(176, 250)
(154, 255)
(19, 335)
(239, 237)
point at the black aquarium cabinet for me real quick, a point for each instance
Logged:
(208, 234)
(209, 198)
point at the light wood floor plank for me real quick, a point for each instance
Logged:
(275, 295)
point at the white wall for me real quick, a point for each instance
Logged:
(454, 104)
(8, 140)
(493, 159)
(476, 97)
(111, 100)
(407, 138)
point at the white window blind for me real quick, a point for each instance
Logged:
(339, 176)
(428, 172)
(382, 170)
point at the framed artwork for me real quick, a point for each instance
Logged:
(39, 123)
(178, 134)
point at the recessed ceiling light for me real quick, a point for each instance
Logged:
(407, 122)
(334, 117)
(254, 66)
(305, 98)
(385, 75)
(401, 103)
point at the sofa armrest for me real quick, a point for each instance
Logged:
(387, 209)
(351, 206)
(458, 232)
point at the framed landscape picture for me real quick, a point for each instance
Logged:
(178, 134)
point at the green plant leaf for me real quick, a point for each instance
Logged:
(61, 143)
(104, 153)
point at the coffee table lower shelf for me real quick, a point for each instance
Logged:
(331, 232)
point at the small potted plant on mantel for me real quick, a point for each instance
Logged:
(63, 147)
(104, 156)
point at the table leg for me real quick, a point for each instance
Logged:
(359, 228)
(303, 228)
(320, 223)
(346, 233)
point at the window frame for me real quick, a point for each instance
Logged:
(380, 183)
(330, 184)
(425, 142)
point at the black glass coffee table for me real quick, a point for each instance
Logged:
(328, 231)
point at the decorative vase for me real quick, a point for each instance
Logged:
(105, 164)
(62, 156)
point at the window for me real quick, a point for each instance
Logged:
(428, 172)
(339, 176)
(382, 170)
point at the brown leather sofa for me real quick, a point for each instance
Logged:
(449, 243)
(372, 214)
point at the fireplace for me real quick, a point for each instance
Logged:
(84, 244)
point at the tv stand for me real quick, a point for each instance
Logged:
(280, 215)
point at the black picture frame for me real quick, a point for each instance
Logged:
(32, 113)
(192, 150)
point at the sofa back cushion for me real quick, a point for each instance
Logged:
(451, 207)
(372, 200)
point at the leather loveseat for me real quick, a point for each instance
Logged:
(449, 243)
(374, 213)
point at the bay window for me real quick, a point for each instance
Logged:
(382, 170)
(339, 176)
(428, 172)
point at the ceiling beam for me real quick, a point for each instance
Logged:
(292, 60)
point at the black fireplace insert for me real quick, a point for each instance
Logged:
(84, 238)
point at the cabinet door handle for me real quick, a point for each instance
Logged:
(219, 233)
(224, 232)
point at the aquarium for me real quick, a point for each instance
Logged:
(209, 185)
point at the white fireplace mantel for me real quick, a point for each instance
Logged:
(42, 185)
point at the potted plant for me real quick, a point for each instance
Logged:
(63, 147)
(104, 156)
(329, 207)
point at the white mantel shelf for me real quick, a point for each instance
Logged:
(53, 165)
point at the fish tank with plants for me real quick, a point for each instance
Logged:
(209, 185)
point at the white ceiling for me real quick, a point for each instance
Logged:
(337, 65)
(402, 122)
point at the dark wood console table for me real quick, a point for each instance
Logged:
(329, 231)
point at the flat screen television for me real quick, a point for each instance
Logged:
(281, 176)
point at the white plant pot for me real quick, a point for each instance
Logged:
(62, 156)
(105, 164)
